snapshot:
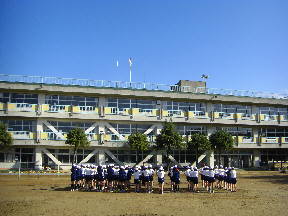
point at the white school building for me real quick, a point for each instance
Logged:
(40, 111)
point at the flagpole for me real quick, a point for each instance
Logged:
(130, 73)
(130, 64)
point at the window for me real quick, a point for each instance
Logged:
(122, 103)
(71, 100)
(189, 130)
(238, 131)
(20, 125)
(185, 106)
(227, 108)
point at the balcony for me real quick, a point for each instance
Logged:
(85, 110)
(20, 107)
(56, 108)
(22, 135)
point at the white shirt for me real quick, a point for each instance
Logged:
(211, 173)
(194, 174)
(152, 171)
(160, 174)
(222, 172)
(146, 172)
(233, 174)
(187, 173)
(205, 172)
(137, 174)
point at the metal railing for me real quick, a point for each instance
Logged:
(138, 85)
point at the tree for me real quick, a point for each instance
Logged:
(77, 139)
(199, 143)
(138, 141)
(169, 138)
(6, 139)
(221, 141)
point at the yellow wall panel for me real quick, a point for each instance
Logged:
(11, 106)
(164, 113)
(1, 106)
(67, 108)
(75, 109)
(107, 110)
(44, 136)
(45, 107)
(135, 111)
(96, 110)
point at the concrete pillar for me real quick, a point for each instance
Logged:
(256, 158)
(159, 158)
(39, 130)
(41, 99)
(101, 132)
(158, 128)
(102, 101)
(38, 158)
(101, 157)
(210, 158)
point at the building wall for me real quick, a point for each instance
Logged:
(40, 116)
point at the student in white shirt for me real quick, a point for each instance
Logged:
(146, 173)
(137, 173)
(161, 179)
(188, 178)
(221, 176)
(194, 179)
(233, 179)
(151, 177)
(211, 180)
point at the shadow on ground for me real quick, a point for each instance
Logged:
(277, 179)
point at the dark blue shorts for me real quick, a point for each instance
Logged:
(136, 181)
(211, 179)
(220, 177)
(73, 178)
(194, 180)
(176, 180)
(161, 180)
(146, 179)
(233, 180)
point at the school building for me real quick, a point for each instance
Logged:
(40, 111)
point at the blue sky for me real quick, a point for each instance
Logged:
(240, 44)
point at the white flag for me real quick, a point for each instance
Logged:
(130, 61)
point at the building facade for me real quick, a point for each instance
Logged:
(39, 112)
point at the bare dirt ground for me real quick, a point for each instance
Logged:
(260, 193)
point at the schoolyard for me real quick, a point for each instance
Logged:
(259, 193)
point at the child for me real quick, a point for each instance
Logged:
(73, 177)
(137, 174)
(110, 177)
(194, 179)
(211, 180)
(146, 179)
(188, 177)
(151, 177)
(233, 179)
(176, 178)
(122, 178)
(161, 176)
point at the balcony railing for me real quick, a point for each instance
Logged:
(138, 85)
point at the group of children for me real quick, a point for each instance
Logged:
(118, 179)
